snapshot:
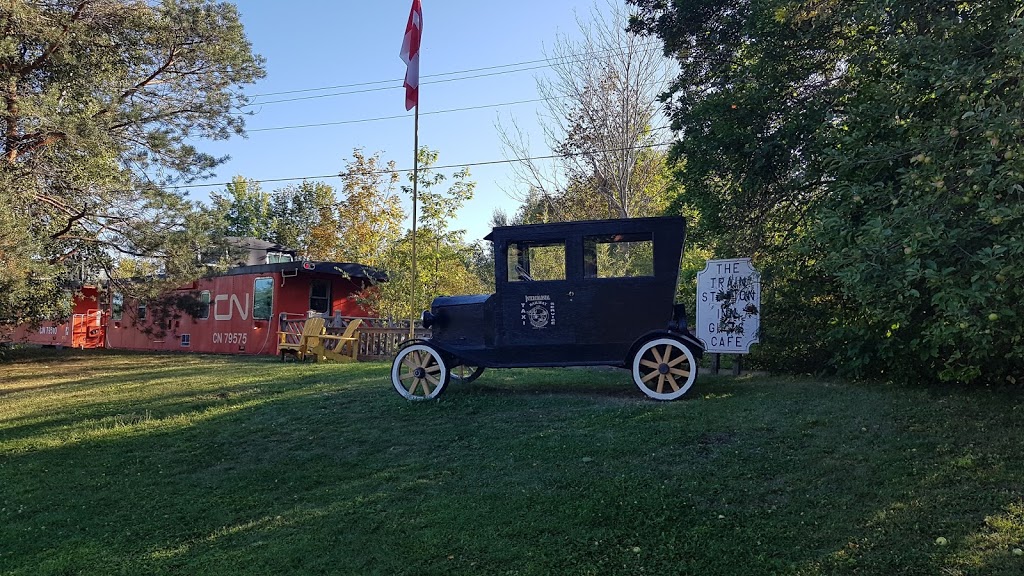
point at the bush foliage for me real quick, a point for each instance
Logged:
(868, 155)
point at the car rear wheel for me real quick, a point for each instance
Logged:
(664, 368)
(419, 372)
(464, 374)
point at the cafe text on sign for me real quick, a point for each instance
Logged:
(728, 306)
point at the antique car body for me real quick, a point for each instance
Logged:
(566, 294)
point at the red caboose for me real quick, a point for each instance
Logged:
(241, 311)
(243, 308)
(83, 330)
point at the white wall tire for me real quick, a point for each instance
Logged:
(664, 368)
(419, 372)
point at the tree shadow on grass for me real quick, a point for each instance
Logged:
(348, 478)
(597, 383)
(115, 399)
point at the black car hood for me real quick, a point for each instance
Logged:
(442, 301)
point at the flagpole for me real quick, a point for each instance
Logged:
(415, 182)
(411, 56)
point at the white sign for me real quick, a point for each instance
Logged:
(728, 306)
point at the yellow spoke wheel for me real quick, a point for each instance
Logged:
(419, 372)
(664, 368)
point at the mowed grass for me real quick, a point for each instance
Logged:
(156, 464)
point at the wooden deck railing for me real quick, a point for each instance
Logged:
(379, 338)
(382, 343)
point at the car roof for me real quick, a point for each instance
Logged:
(658, 226)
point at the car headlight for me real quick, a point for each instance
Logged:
(427, 319)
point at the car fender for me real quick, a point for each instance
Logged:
(448, 355)
(412, 341)
(689, 341)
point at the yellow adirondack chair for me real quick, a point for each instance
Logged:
(346, 346)
(300, 344)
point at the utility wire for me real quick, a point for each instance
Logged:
(361, 120)
(444, 167)
(395, 87)
(548, 61)
(333, 94)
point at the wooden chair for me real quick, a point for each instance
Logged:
(298, 344)
(346, 346)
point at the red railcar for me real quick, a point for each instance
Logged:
(83, 330)
(242, 314)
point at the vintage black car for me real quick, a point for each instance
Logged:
(567, 294)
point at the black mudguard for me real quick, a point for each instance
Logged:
(695, 345)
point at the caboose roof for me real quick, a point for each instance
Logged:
(344, 269)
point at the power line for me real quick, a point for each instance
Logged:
(444, 167)
(361, 120)
(406, 115)
(548, 61)
(333, 94)
(397, 86)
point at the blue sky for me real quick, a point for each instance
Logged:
(318, 43)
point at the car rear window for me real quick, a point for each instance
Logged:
(618, 255)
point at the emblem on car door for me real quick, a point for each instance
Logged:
(538, 311)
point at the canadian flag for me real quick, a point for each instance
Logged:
(411, 55)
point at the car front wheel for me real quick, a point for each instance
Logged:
(419, 372)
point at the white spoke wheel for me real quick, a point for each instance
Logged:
(419, 372)
(464, 374)
(664, 368)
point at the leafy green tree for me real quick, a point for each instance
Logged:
(304, 218)
(923, 225)
(291, 215)
(444, 260)
(758, 81)
(245, 208)
(868, 154)
(370, 213)
(99, 100)
(482, 261)
(648, 188)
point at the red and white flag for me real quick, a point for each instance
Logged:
(411, 55)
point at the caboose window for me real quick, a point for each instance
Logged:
(320, 296)
(117, 306)
(536, 261)
(204, 310)
(263, 298)
(618, 256)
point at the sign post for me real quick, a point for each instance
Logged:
(728, 306)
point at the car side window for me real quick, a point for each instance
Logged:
(618, 256)
(536, 261)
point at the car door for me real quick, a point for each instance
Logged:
(537, 302)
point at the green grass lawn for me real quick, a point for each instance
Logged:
(151, 464)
